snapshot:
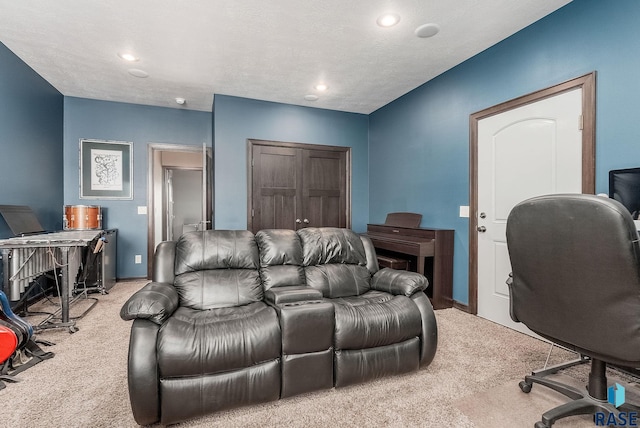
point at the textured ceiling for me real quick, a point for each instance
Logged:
(269, 50)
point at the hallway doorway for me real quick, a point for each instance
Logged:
(179, 193)
(183, 210)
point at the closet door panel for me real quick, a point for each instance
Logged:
(275, 187)
(324, 188)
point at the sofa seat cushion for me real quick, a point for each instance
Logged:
(194, 342)
(374, 319)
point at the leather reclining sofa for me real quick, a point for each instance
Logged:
(232, 318)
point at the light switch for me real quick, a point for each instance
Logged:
(464, 211)
(142, 210)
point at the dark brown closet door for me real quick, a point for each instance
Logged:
(298, 185)
(276, 202)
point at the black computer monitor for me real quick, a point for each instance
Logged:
(624, 187)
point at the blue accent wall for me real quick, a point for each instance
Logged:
(238, 119)
(420, 142)
(104, 120)
(31, 112)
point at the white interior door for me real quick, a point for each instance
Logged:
(528, 151)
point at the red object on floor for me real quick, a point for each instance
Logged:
(8, 343)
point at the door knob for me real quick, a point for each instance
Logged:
(482, 229)
(298, 221)
(306, 221)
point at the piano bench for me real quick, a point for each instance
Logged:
(393, 263)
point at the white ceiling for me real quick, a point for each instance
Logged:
(269, 50)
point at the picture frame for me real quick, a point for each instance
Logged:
(106, 169)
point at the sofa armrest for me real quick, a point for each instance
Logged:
(399, 282)
(142, 372)
(163, 261)
(429, 334)
(281, 295)
(156, 302)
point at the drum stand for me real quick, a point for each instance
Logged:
(62, 313)
(70, 323)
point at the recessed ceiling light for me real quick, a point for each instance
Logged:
(128, 56)
(138, 73)
(321, 87)
(311, 97)
(388, 20)
(427, 30)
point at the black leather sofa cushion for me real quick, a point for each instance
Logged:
(338, 280)
(375, 319)
(195, 342)
(331, 245)
(281, 276)
(279, 247)
(219, 288)
(280, 258)
(216, 249)
(216, 269)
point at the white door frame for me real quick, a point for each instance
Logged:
(588, 85)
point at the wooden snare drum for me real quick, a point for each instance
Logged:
(82, 217)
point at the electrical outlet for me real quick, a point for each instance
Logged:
(138, 258)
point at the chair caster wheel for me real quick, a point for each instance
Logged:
(526, 388)
(540, 424)
(73, 329)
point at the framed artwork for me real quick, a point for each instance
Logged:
(106, 169)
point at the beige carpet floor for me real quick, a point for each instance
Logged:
(472, 382)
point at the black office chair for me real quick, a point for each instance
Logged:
(576, 281)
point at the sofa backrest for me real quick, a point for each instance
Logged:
(217, 268)
(334, 261)
(280, 258)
